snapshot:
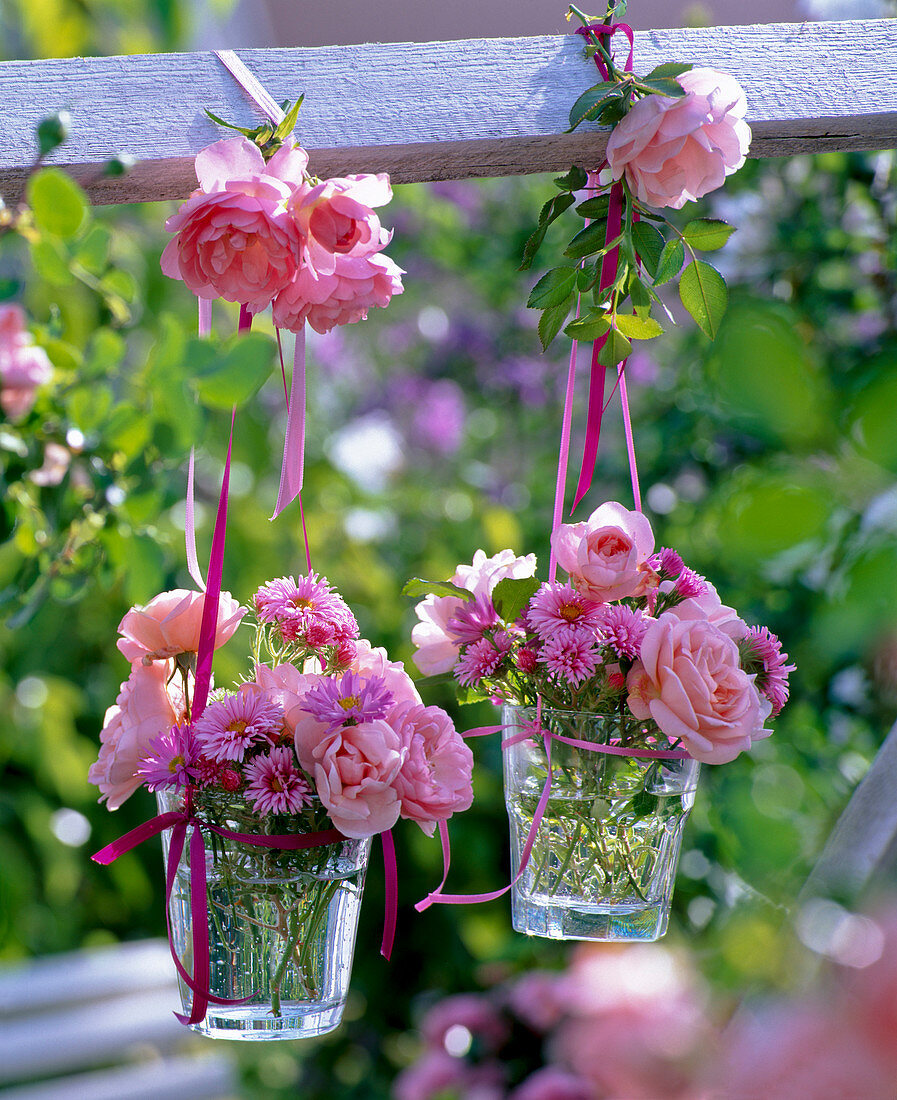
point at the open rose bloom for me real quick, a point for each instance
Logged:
(629, 632)
(263, 232)
(325, 726)
(674, 150)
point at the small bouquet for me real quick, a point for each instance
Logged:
(289, 774)
(616, 682)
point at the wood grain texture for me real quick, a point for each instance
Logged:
(439, 110)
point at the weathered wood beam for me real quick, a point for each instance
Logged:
(862, 846)
(438, 110)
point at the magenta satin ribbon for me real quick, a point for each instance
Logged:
(293, 466)
(179, 821)
(608, 274)
(547, 737)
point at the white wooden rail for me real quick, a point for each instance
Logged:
(438, 110)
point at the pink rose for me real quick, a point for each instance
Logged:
(605, 556)
(341, 297)
(169, 625)
(690, 683)
(141, 712)
(434, 780)
(437, 646)
(675, 150)
(370, 661)
(286, 685)
(23, 365)
(235, 239)
(335, 218)
(354, 770)
(474, 1011)
(710, 607)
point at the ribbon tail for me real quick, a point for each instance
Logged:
(436, 894)
(190, 526)
(596, 386)
(630, 444)
(391, 881)
(136, 836)
(292, 468)
(209, 622)
(199, 913)
(593, 423)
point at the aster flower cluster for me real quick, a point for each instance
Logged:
(629, 631)
(326, 730)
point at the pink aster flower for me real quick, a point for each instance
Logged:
(689, 584)
(560, 607)
(772, 681)
(274, 785)
(622, 629)
(527, 659)
(667, 563)
(571, 656)
(227, 728)
(307, 609)
(481, 659)
(335, 702)
(471, 621)
(170, 759)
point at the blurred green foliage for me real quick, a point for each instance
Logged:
(767, 457)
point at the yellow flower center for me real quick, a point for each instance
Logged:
(570, 611)
(238, 726)
(301, 601)
(349, 702)
(175, 763)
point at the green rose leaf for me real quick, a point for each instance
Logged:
(649, 244)
(574, 180)
(638, 328)
(553, 289)
(587, 241)
(590, 327)
(592, 104)
(668, 68)
(616, 348)
(639, 293)
(237, 372)
(58, 204)
(707, 234)
(670, 263)
(419, 587)
(550, 323)
(662, 85)
(704, 294)
(594, 208)
(551, 210)
(643, 803)
(510, 596)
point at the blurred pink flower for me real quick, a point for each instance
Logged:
(636, 1026)
(55, 466)
(474, 1011)
(436, 1075)
(674, 150)
(235, 239)
(169, 624)
(538, 998)
(354, 770)
(800, 1050)
(605, 556)
(335, 218)
(340, 297)
(142, 711)
(554, 1083)
(434, 780)
(437, 646)
(689, 681)
(23, 365)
